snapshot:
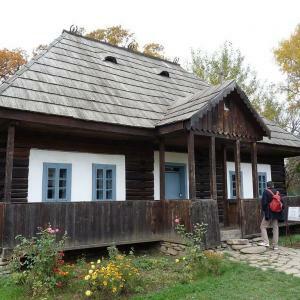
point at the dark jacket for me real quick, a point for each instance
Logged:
(265, 205)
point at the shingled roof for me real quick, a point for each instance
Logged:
(72, 78)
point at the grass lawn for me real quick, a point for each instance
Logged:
(292, 241)
(161, 279)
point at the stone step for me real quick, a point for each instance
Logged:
(253, 250)
(237, 242)
(227, 234)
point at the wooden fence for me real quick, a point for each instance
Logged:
(98, 224)
(252, 213)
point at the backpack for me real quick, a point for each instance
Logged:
(275, 204)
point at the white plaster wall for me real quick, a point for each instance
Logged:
(246, 168)
(81, 188)
(170, 157)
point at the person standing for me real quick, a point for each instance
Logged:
(272, 214)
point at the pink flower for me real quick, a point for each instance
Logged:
(177, 220)
(56, 230)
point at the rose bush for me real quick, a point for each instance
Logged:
(38, 263)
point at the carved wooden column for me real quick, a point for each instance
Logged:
(191, 165)
(225, 191)
(212, 168)
(237, 161)
(162, 169)
(10, 145)
(254, 169)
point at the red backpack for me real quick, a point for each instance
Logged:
(275, 204)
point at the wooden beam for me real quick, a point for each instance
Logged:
(225, 190)
(191, 165)
(10, 145)
(237, 161)
(72, 123)
(212, 168)
(254, 169)
(162, 169)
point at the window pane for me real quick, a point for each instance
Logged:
(108, 174)
(109, 194)
(99, 173)
(50, 183)
(63, 173)
(109, 184)
(99, 194)
(99, 184)
(62, 183)
(51, 173)
(62, 194)
(50, 194)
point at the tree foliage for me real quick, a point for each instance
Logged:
(119, 36)
(228, 63)
(287, 56)
(11, 61)
(39, 49)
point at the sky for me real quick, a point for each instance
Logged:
(255, 27)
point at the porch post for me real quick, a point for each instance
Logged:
(10, 145)
(254, 169)
(191, 165)
(237, 161)
(212, 168)
(225, 191)
(161, 169)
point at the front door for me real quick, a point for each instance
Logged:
(175, 181)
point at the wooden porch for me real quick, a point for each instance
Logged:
(98, 224)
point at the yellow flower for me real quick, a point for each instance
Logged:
(183, 258)
(105, 283)
(98, 261)
(93, 267)
(87, 277)
(88, 293)
(177, 260)
(114, 290)
(92, 263)
(94, 276)
(90, 271)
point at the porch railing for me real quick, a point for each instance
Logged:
(97, 224)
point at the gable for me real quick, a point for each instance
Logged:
(231, 118)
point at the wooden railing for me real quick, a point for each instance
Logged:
(98, 224)
(252, 213)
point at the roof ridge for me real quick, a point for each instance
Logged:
(122, 48)
(8, 82)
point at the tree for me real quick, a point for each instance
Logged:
(119, 36)
(39, 49)
(287, 56)
(11, 61)
(228, 63)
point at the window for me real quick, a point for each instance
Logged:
(111, 59)
(104, 182)
(57, 182)
(262, 182)
(233, 184)
(164, 73)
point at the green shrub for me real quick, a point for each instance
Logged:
(38, 262)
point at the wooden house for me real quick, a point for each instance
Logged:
(111, 145)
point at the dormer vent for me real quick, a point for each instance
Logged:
(164, 73)
(111, 59)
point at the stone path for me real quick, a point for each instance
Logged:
(284, 259)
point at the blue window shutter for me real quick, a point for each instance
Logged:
(57, 167)
(104, 168)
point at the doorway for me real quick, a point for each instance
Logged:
(175, 181)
